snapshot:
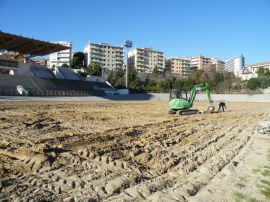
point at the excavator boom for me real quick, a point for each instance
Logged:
(195, 89)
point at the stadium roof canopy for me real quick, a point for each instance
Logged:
(27, 46)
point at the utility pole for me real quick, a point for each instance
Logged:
(128, 44)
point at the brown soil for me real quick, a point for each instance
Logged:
(118, 151)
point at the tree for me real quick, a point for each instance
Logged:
(155, 70)
(77, 61)
(197, 76)
(95, 69)
(80, 55)
(132, 75)
(264, 81)
(167, 84)
(263, 72)
(167, 70)
(216, 79)
(253, 84)
(116, 77)
(64, 65)
(83, 74)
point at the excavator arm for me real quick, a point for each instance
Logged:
(195, 89)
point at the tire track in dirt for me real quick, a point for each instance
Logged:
(169, 159)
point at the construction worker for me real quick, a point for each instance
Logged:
(221, 106)
(211, 107)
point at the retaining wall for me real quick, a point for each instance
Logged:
(150, 96)
(219, 97)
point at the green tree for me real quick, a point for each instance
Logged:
(253, 84)
(132, 75)
(95, 69)
(116, 77)
(155, 70)
(197, 76)
(83, 74)
(77, 61)
(167, 84)
(64, 65)
(263, 72)
(264, 81)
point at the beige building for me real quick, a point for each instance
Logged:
(200, 62)
(146, 60)
(108, 56)
(179, 66)
(217, 64)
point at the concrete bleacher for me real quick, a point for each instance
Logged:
(99, 83)
(41, 72)
(67, 73)
(48, 87)
(101, 86)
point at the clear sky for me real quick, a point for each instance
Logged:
(216, 28)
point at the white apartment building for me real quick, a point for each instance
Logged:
(218, 64)
(146, 60)
(200, 62)
(108, 56)
(179, 66)
(235, 65)
(63, 57)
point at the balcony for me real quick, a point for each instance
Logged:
(97, 55)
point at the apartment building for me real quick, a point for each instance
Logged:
(146, 60)
(200, 62)
(108, 56)
(235, 65)
(63, 57)
(217, 64)
(179, 66)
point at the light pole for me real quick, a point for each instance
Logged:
(128, 44)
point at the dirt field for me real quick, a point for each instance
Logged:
(132, 151)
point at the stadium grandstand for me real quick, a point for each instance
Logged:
(18, 69)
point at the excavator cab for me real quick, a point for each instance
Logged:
(181, 104)
(178, 93)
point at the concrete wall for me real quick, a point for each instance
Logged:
(219, 97)
(150, 96)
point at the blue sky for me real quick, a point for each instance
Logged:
(217, 28)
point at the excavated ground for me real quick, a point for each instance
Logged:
(117, 151)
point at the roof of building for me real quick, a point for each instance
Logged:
(28, 46)
(149, 49)
(259, 63)
(104, 44)
(178, 58)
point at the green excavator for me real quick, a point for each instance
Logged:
(181, 104)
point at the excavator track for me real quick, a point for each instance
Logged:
(188, 112)
(185, 112)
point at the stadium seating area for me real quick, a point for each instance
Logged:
(68, 73)
(51, 87)
(41, 72)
